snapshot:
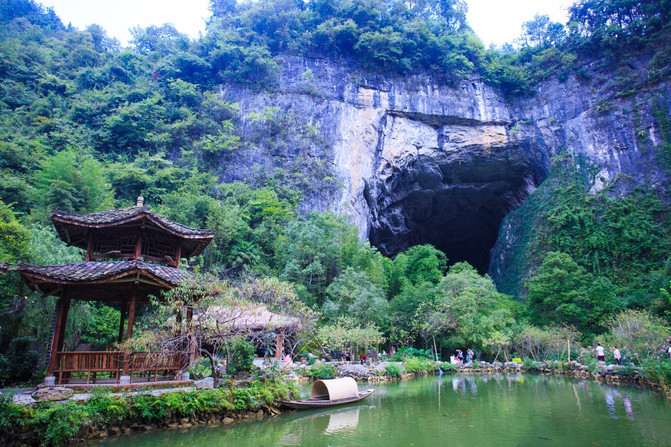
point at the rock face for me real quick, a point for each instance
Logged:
(411, 161)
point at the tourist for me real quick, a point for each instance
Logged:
(469, 355)
(348, 356)
(668, 347)
(363, 358)
(460, 356)
(617, 355)
(600, 353)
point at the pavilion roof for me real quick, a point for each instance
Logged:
(101, 280)
(73, 228)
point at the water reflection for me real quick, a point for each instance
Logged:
(344, 420)
(467, 410)
(464, 383)
(611, 396)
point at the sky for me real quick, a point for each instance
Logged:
(494, 21)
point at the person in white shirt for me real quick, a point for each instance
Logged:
(600, 354)
(618, 356)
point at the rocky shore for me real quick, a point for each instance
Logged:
(600, 372)
(365, 373)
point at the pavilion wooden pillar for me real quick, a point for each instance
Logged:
(58, 336)
(89, 247)
(178, 253)
(131, 311)
(129, 330)
(124, 305)
(138, 244)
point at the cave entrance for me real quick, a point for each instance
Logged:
(456, 203)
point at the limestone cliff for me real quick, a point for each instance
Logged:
(412, 161)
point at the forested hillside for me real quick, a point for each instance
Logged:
(86, 125)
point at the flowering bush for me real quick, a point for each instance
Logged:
(658, 370)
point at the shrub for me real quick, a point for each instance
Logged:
(148, 406)
(11, 414)
(20, 363)
(658, 371)
(105, 409)
(321, 371)
(393, 370)
(626, 371)
(531, 365)
(448, 367)
(57, 423)
(638, 332)
(542, 343)
(419, 365)
(409, 351)
(201, 369)
(242, 358)
(517, 360)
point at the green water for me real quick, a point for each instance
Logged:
(507, 410)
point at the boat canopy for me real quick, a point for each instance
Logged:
(335, 389)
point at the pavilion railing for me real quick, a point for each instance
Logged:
(148, 364)
(77, 366)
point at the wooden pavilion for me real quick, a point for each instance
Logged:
(131, 254)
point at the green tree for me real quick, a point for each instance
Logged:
(469, 311)
(346, 333)
(404, 307)
(417, 265)
(310, 251)
(101, 328)
(74, 182)
(352, 294)
(563, 292)
(14, 237)
(541, 32)
(14, 245)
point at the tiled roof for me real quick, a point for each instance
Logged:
(83, 272)
(124, 215)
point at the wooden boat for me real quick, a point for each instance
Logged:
(328, 393)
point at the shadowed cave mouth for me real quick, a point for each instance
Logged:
(455, 202)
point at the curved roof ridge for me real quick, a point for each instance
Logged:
(96, 271)
(123, 215)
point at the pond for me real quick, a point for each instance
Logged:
(454, 410)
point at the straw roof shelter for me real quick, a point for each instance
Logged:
(253, 320)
